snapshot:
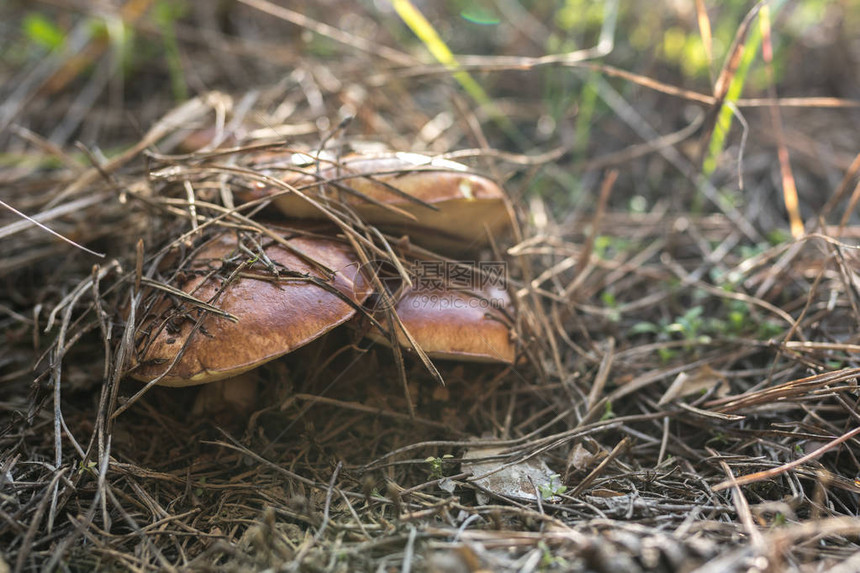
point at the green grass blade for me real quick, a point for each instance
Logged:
(425, 32)
(724, 119)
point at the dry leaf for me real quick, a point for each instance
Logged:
(525, 480)
(698, 382)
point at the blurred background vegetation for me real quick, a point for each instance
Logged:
(101, 72)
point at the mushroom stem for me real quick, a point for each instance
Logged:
(227, 399)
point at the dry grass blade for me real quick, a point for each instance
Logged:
(789, 187)
(587, 481)
(46, 229)
(336, 34)
(843, 189)
(743, 508)
(793, 388)
(188, 298)
(638, 79)
(772, 473)
(45, 216)
(705, 30)
(603, 199)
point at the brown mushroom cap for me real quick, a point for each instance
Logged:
(466, 208)
(275, 315)
(453, 324)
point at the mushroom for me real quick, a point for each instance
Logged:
(258, 304)
(240, 304)
(452, 324)
(437, 202)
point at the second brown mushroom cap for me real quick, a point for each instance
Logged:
(438, 203)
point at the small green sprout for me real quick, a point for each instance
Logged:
(608, 414)
(436, 466)
(553, 488)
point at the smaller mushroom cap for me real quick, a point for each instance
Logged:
(276, 313)
(451, 209)
(452, 324)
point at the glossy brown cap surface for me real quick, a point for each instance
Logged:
(457, 324)
(276, 314)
